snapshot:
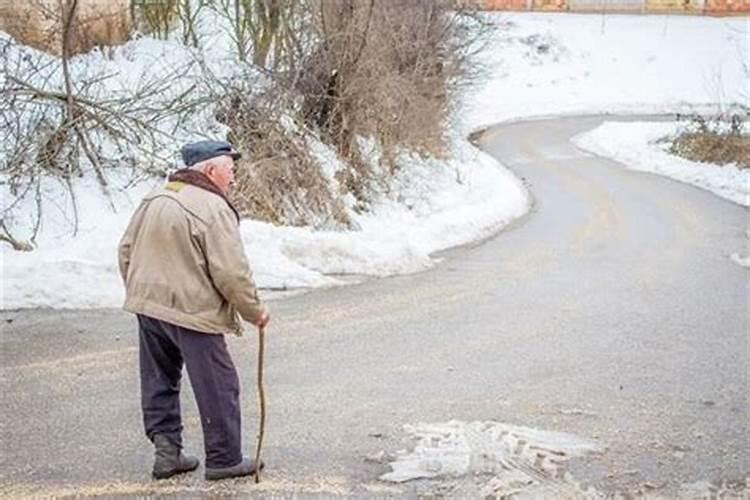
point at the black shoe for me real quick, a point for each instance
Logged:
(169, 460)
(245, 468)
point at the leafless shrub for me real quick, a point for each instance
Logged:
(720, 140)
(157, 17)
(278, 180)
(349, 69)
(387, 70)
(190, 14)
(273, 32)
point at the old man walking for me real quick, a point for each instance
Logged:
(188, 281)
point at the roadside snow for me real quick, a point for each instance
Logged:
(537, 65)
(426, 211)
(638, 146)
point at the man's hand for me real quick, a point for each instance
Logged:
(264, 318)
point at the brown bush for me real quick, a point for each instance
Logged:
(720, 140)
(349, 69)
(712, 147)
(386, 70)
(278, 180)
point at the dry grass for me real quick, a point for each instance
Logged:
(714, 147)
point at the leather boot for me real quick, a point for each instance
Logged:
(245, 468)
(169, 460)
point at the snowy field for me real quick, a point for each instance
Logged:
(549, 65)
(537, 65)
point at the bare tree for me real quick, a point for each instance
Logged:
(190, 13)
(157, 17)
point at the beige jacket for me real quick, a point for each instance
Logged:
(182, 261)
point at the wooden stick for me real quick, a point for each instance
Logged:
(262, 397)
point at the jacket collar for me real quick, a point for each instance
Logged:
(201, 180)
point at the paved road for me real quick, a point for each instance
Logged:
(612, 312)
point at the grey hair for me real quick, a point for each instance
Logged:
(201, 165)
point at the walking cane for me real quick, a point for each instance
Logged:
(262, 397)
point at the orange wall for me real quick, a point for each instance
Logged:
(711, 7)
(550, 5)
(505, 4)
(728, 6)
(672, 5)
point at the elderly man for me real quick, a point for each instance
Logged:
(189, 282)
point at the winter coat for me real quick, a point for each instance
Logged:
(183, 262)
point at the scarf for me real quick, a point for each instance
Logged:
(199, 179)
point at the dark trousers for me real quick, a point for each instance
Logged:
(163, 349)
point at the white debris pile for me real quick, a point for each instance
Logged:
(518, 459)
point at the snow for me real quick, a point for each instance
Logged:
(644, 146)
(537, 64)
(546, 65)
(507, 460)
(743, 261)
(426, 211)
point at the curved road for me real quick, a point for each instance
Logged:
(612, 311)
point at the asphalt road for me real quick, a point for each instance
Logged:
(612, 311)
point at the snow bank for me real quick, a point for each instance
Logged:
(639, 146)
(432, 205)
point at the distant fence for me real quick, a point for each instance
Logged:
(697, 7)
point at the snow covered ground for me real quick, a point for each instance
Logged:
(536, 65)
(545, 65)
